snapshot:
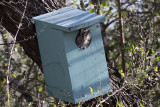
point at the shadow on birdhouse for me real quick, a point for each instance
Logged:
(72, 54)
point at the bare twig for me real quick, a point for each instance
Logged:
(82, 5)
(122, 35)
(15, 42)
(9, 61)
(29, 71)
(114, 93)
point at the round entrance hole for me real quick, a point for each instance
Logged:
(83, 38)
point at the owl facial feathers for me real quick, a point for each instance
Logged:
(83, 38)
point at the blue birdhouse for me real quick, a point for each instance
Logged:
(72, 73)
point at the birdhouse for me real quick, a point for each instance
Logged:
(72, 72)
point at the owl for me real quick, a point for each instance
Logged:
(83, 38)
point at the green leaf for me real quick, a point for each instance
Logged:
(133, 9)
(101, 105)
(146, 75)
(156, 68)
(121, 71)
(14, 75)
(75, 1)
(141, 105)
(158, 59)
(141, 82)
(99, 98)
(6, 35)
(133, 47)
(92, 5)
(4, 81)
(5, 64)
(119, 104)
(8, 94)
(103, 3)
(127, 65)
(153, 51)
(91, 10)
(38, 77)
(124, 14)
(40, 89)
(91, 89)
(133, 64)
(79, 104)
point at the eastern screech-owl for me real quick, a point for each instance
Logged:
(83, 38)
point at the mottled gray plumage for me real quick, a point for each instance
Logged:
(83, 38)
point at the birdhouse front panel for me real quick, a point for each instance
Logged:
(87, 67)
(72, 54)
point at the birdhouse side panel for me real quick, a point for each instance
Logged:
(54, 62)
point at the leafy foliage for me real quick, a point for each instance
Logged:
(141, 23)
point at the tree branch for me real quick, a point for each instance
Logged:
(9, 61)
(122, 35)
